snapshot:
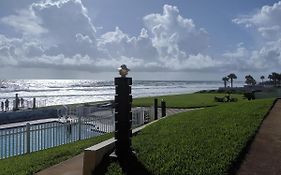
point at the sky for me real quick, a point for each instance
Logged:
(157, 40)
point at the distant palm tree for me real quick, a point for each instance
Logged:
(250, 80)
(270, 77)
(279, 78)
(231, 77)
(275, 77)
(225, 80)
(262, 78)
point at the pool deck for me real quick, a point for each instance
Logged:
(33, 122)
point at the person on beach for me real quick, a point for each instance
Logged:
(7, 105)
(2, 105)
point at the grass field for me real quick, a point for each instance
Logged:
(205, 142)
(185, 100)
(28, 164)
(199, 142)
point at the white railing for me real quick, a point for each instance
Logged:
(30, 138)
(72, 125)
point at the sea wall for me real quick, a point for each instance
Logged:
(27, 115)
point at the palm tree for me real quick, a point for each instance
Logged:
(262, 78)
(225, 80)
(275, 77)
(250, 80)
(279, 79)
(270, 77)
(231, 77)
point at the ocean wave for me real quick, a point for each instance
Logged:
(79, 91)
(72, 95)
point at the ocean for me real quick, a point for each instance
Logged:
(57, 92)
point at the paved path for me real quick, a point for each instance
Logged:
(264, 156)
(71, 166)
(74, 165)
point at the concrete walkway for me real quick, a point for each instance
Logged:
(71, 166)
(74, 166)
(264, 156)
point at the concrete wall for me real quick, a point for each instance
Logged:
(94, 155)
(27, 115)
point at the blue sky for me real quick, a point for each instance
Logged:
(183, 39)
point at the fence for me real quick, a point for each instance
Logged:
(25, 104)
(73, 124)
(28, 104)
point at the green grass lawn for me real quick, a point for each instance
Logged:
(197, 142)
(205, 142)
(185, 100)
(30, 163)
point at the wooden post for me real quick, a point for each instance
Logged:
(163, 108)
(155, 109)
(123, 116)
(34, 103)
(17, 100)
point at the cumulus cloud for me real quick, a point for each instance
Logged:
(25, 22)
(61, 34)
(172, 33)
(117, 44)
(178, 41)
(266, 21)
(266, 24)
(61, 30)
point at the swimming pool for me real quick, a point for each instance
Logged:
(35, 137)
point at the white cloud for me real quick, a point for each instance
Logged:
(267, 27)
(61, 35)
(266, 21)
(179, 43)
(175, 35)
(25, 22)
(117, 44)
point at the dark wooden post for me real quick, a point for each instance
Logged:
(17, 100)
(163, 108)
(123, 117)
(155, 109)
(34, 103)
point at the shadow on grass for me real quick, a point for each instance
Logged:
(130, 165)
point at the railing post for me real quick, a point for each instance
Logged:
(142, 116)
(27, 143)
(155, 109)
(79, 127)
(163, 108)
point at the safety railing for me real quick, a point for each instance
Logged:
(73, 124)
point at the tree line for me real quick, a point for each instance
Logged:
(274, 79)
